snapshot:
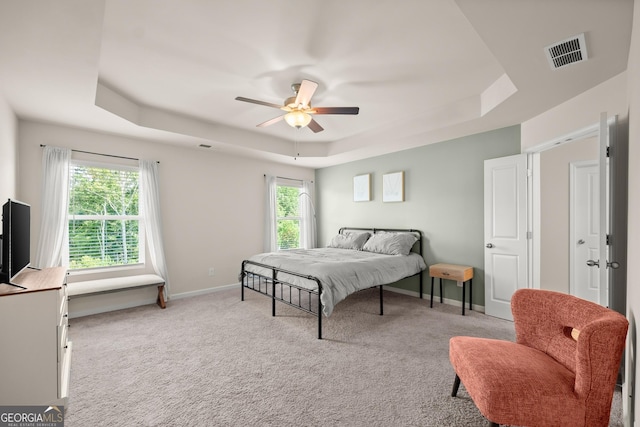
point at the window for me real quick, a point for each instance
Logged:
(105, 228)
(288, 216)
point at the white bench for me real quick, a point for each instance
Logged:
(103, 286)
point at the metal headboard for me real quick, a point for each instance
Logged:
(374, 230)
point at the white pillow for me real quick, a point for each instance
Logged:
(349, 240)
(390, 243)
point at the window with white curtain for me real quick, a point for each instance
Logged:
(105, 226)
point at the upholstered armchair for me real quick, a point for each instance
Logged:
(561, 371)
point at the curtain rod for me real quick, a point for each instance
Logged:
(101, 154)
(290, 179)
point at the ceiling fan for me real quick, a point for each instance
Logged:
(298, 107)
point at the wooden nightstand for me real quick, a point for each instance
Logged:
(459, 273)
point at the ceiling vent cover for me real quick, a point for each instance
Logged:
(567, 52)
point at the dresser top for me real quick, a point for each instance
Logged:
(35, 281)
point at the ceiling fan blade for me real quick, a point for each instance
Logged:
(336, 110)
(314, 126)
(306, 91)
(255, 101)
(270, 122)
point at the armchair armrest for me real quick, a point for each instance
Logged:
(545, 320)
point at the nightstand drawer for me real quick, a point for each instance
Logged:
(460, 273)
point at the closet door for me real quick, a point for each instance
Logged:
(505, 231)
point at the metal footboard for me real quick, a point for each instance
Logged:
(285, 292)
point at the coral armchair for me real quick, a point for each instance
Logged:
(561, 371)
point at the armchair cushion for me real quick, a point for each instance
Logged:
(505, 383)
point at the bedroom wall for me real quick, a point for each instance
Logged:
(578, 113)
(443, 199)
(212, 206)
(8, 152)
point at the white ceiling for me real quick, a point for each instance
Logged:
(421, 71)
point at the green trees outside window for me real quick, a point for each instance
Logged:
(104, 221)
(288, 218)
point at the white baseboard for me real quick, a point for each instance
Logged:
(436, 299)
(203, 291)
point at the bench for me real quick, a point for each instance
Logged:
(115, 284)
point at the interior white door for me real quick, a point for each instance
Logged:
(602, 263)
(585, 229)
(505, 230)
(604, 211)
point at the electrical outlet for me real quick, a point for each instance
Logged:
(212, 271)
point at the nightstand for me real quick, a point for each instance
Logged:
(459, 273)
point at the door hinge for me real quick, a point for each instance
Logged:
(529, 235)
(608, 151)
(529, 172)
(608, 239)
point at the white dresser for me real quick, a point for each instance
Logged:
(35, 354)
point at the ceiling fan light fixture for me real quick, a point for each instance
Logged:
(297, 119)
(298, 108)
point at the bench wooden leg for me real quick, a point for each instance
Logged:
(160, 300)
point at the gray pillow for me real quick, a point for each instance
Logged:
(390, 243)
(349, 240)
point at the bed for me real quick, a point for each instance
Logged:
(315, 280)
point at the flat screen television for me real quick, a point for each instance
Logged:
(16, 239)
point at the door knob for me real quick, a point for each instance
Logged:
(613, 265)
(489, 245)
(592, 263)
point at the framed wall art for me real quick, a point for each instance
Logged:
(393, 187)
(362, 188)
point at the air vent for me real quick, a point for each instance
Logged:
(567, 52)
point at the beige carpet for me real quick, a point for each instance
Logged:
(216, 361)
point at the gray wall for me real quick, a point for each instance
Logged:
(443, 199)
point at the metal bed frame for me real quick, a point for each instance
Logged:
(274, 288)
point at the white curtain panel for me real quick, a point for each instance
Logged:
(54, 207)
(308, 214)
(271, 212)
(150, 205)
